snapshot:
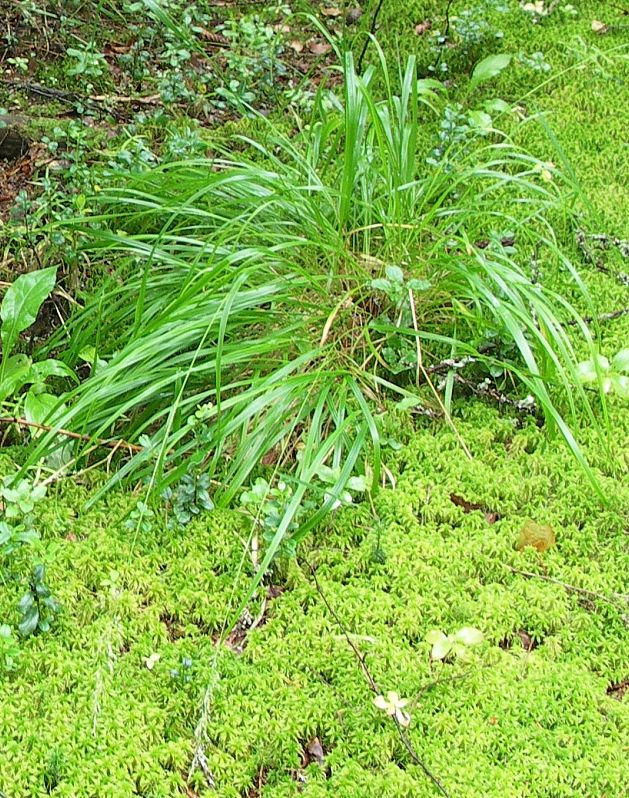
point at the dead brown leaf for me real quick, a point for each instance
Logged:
(468, 507)
(212, 37)
(313, 752)
(423, 27)
(527, 641)
(539, 536)
(319, 48)
(296, 45)
(618, 690)
(332, 11)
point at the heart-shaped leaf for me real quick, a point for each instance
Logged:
(39, 406)
(441, 644)
(15, 374)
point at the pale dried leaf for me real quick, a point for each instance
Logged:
(403, 718)
(423, 27)
(539, 536)
(319, 48)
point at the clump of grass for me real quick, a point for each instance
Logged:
(250, 317)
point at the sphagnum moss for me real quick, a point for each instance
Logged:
(510, 723)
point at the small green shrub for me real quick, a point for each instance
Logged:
(38, 608)
(18, 312)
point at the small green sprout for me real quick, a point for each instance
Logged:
(613, 375)
(20, 496)
(38, 607)
(456, 645)
(9, 649)
(395, 286)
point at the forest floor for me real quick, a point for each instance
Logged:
(129, 693)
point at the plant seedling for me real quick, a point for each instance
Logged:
(38, 607)
(450, 646)
(613, 376)
(9, 650)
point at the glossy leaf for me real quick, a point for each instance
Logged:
(488, 68)
(22, 302)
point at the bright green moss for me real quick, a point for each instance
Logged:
(84, 689)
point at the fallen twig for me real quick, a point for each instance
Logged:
(42, 91)
(604, 241)
(374, 687)
(614, 314)
(150, 99)
(525, 406)
(612, 598)
(117, 444)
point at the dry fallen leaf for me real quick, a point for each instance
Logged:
(423, 27)
(296, 45)
(353, 15)
(314, 753)
(319, 48)
(214, 38)
(599, 27)
(331, 12)
(539, 536)
(527, 641)
(490, 516)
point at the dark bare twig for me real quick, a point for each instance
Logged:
(42, 91)
(117, 444)
(446, 31)
(614, 314)
(372, 30)
(613, 598)
(525, 406)
(605, 242)
(374, 687)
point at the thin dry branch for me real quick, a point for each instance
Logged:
(417, 760)
(115, 444)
